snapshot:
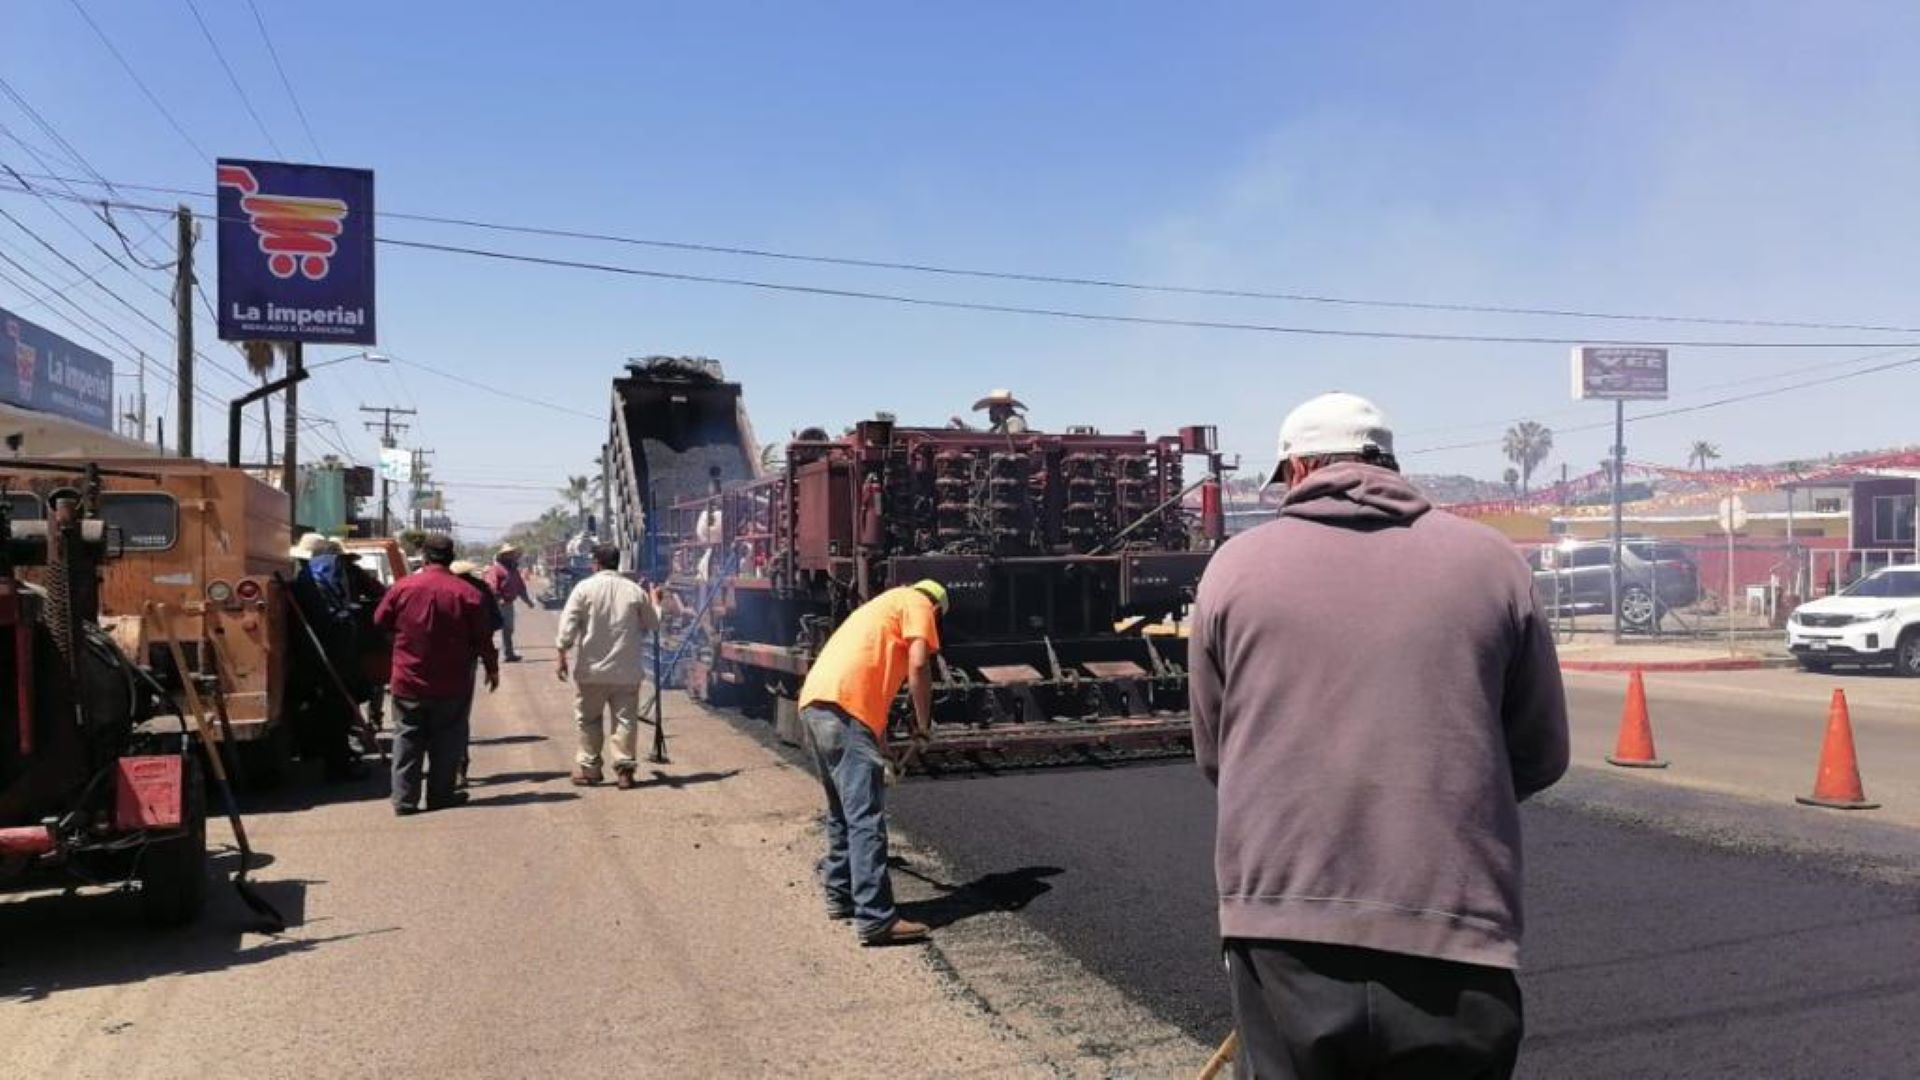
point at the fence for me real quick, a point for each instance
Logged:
(1685, 587)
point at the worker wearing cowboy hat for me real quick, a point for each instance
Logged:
(503, 577)
(472, 573)
(321, 718)
(1003, 412)
(844, 705)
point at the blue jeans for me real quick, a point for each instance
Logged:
(854, 872)
(506, 630)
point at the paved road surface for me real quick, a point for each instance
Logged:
(1758, 733)
(1672, 932)
(543, 931)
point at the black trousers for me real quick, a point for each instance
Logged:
(1333, 1011)
(433, 730)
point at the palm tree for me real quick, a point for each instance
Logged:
(1512, 477)
(261, 356)
(1527, 445)
(576, 493)
(1702, 453)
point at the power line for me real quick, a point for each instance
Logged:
(20, 102)
(496, 391)
(1100, 283)
(121, 300)
(234, 80)
(1684, 409)
(1108, 317)
(1747, 381)
(284, 81)
(201, 394)
(138, 81)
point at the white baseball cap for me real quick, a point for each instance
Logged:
(1336, 423)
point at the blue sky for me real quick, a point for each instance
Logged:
(1633, 157)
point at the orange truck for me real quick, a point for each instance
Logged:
(205, 540)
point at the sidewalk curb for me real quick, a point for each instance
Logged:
(1745, 663)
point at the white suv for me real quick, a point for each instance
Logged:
(1876, 620)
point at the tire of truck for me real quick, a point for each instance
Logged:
(173, 873)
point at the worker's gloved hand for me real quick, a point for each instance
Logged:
(493, 681)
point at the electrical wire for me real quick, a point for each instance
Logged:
(284, 81)
(1107, 317)
(1786, 373)
(1098, 282)
(496, 391)
(1685, 409)
(139, 82)
(234, 80)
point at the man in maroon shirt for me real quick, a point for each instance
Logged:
(440, 626)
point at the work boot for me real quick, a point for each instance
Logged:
(587, 775)
(623, 778)
(899, 932)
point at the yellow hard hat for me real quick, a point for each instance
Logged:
(933, 591)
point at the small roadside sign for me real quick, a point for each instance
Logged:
(1733, 514)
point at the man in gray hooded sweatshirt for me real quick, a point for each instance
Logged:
(1374, 689)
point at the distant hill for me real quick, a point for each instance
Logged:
(1460, 489)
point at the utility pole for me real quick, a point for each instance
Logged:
(1619, 466)
(183, 327)
(290, 462)
(419, 481)
(386, 429)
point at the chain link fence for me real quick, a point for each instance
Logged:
(1692, 588)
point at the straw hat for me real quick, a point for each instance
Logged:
(998, 397)
(308, 546)
(464, 566)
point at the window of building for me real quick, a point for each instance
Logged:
(1893, 519)
(1827, 505)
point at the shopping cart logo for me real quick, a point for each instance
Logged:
(26, 361)
(296, 233)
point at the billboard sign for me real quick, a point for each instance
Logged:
(1612, 373)
(296, 253)
(396, 464)
(46, 372)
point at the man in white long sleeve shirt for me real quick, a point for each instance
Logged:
(608, 619)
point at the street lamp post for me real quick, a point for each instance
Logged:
(297, 372)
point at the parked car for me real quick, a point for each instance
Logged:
(1575, 578)
(1874, 621)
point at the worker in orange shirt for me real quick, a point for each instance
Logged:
(888, 642)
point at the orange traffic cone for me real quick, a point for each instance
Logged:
(1634, 748)
(1837, 784)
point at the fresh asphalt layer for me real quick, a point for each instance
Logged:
(1671, 932)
